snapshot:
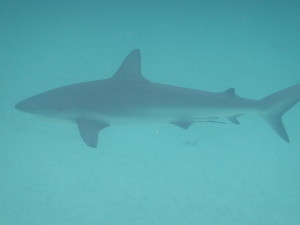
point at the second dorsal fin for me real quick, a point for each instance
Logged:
(130, 68)
(230, 93)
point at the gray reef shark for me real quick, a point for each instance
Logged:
(128, 98)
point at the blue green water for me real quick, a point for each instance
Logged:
(159, 174)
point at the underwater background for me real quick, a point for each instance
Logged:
(210, 174)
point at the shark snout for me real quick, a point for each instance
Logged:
(21, 106)
(41, 105)
(27, 105)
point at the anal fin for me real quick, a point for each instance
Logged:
(89, 130)
(233, 119)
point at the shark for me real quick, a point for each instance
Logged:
(128, 98)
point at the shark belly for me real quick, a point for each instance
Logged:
(168, 114)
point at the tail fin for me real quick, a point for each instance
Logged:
(275, 105)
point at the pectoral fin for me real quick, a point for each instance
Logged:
(89, 131)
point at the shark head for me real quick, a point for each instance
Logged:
(77, 100)
(50, 103)
(35, 105)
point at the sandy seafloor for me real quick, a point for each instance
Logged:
(211, 174)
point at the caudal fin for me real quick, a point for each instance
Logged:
(275, 105)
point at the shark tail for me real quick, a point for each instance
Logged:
(275, 105)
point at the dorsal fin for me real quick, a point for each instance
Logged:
(230, 92)
(131, 67)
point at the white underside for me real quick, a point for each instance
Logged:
(162, 115)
